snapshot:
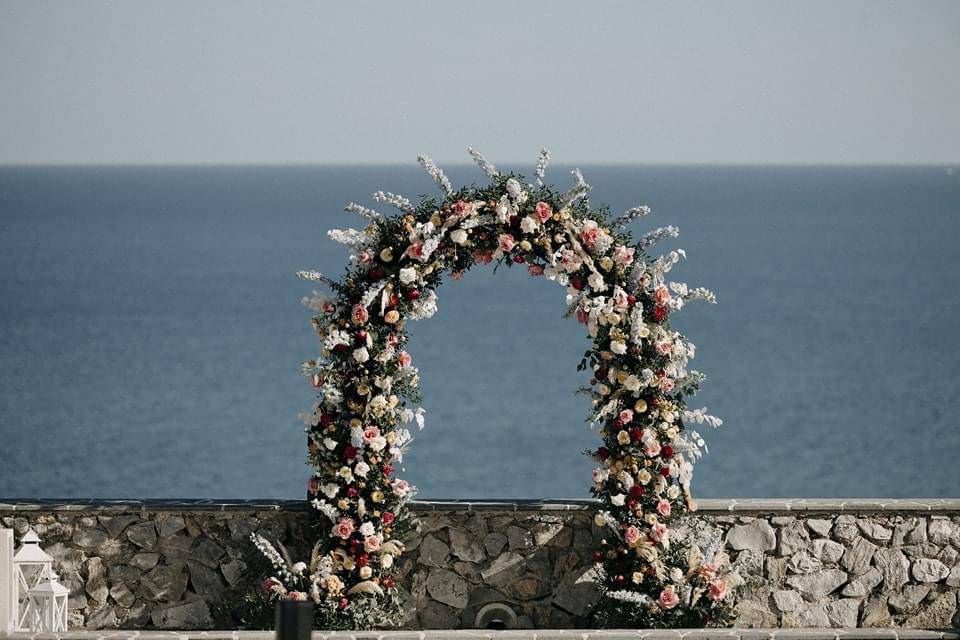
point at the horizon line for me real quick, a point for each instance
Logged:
(460, 164)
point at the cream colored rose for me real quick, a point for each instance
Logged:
(366, 572)
(391, 316)
(623, 437)
(459, 236)
(643, 476)
(408, 275)
(386, 255)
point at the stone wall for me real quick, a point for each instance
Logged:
(804, 563)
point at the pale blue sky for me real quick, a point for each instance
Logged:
(380, 82)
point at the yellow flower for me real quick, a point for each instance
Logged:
(377, 496)
(386, 255)
(637, 577)
(623, 437)
(391, 316)
(640, 406)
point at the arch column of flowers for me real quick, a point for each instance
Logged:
(360, 424)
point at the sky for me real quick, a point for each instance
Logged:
(381, 82)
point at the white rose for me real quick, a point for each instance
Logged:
(361, 469)
(366, 529)
(366, 572)
(618, 347)
(596, 282)
(386, 561)
(330, 444)
(408, 275)
(632, 383)
(459, 236)
(330, 489)
(618, 500)
(528, 224)
(673, 492)
(361, 355)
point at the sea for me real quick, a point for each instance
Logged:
(151, 333)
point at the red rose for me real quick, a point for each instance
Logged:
(618, 423)
(666, 451)
(352, 492)
(375, 274)
(388, 582)
(631, 299)
(659, 313)
(387, 469)
(350, 452)
(413, 294)
(636, 434)
(387, 518)
(665, 472)
(576, 283)
(636, 491)
(603, 453)
(518, 258)
(363, 559)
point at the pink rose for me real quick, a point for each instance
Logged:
(668, 598)
(621, 301)
(570, 260)
(707, 571)
(460, 207)
(717, 590)
(623, 255)
(652, 449)
(359, 314)
(661, 295)
(297, 595)
(666, 385)
(663, 348)
(365, 257)
(404, 359)
(371, 433)
(535, 270)
(659, 532)
(272, 584)
(401, 487)
(313, 485)
(663, 508)
(589, 233)
(626, 416)
(544, 212)
(415, 250)
(632, 535)
(372, 543)
(344, 528)
(506, 242)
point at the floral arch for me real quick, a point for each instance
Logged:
(360, 424)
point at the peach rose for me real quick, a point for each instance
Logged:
(717, 590)
(589, 233)
(401, 487)
(623, 255)
(359, 314)
(652, 449)
(632, 535)
(668, 598)
(626, 416)
(659, 532)
(344, 528)
(506, 242)
(299, 596)
(372, 543)
(544, 212)
(666, 385)
(404, 359)
(371, 433)
(663, 508)
(661, 295)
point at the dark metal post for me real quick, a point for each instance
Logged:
(294, 620)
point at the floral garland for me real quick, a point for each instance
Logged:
(358, 428)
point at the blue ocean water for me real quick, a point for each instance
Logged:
(151, 333)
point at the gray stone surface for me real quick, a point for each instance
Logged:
(832, 563)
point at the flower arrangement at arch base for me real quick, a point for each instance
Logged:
(359, 426)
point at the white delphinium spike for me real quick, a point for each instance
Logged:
(270, 552)
(399, 202)
(652, 237)
(478, 221)
(315, 276)
(687, 294)
(436, 173)
(362, 211)
(372, 294)
(630, 215)
(348, 237)
(542, 163)
(629, 596)
(700, 416)
(579, 189)
(485, 165)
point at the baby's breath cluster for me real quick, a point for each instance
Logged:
(365, 382)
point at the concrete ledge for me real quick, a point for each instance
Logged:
(519, 634)
(707, 506)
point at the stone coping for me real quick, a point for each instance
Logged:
(707, 506)
(519, 634)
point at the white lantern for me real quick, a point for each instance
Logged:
(47, 606)
(31, 566)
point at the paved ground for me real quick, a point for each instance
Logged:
(533, 634)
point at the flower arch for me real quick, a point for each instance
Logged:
(358, 427)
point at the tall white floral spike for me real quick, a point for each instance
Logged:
(579, 189)
(542, 162)
(630, 215)
(485, 165)
(652, 237)
(700, 416)
(436, 173)
(314, 276)
(393, 199)
(362, 211)
(347, 237)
